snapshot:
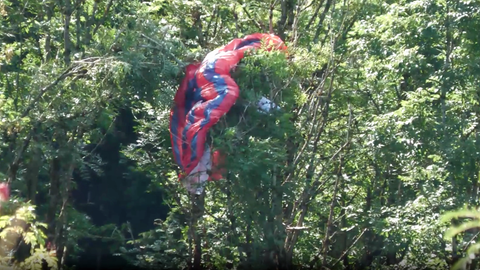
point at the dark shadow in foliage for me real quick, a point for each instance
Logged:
(117, 196)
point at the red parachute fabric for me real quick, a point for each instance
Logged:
(4, 192)
(207, 93)
(218, 166)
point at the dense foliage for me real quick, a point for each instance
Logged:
(372, 160)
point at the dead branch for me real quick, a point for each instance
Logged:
(350, 247)
(299, 228)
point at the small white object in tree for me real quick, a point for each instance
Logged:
(195, 181)
(265, 105)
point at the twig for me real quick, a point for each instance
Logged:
(180, 63)
(101, 140)
(129, 227)
(258, 24)
(469, 242)
(350, 247)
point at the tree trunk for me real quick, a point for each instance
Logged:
(60, 238)
(54, 195)
(66, 32)
(197, 210)
(329, 230)
(31, 174)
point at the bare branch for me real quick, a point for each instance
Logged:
(350, 247)
(107, 9)
(315, 14)
(62, 76)
(300, 228)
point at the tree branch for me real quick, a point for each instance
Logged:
(13, 167)
(102, 21)
(299, 228)
(180, 63)
(315, 14)
(350, 247)
(62, 76)
(258, 24)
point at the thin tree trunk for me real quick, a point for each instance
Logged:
(66, 32)
(54, 194)
(99, 258)
(197, 210)
(326, 240)
(48, 39)
(78, 25)
(366, 258)
(61, 240)
(279, 234)
(322, 18)
(32, 172)
(329, 227)
(343, 235)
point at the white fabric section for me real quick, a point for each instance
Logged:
(195, 181)
(265, 105)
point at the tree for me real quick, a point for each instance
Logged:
(376, 138)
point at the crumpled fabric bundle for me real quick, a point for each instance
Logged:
(206, 94)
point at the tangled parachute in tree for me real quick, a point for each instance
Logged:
(206, 94)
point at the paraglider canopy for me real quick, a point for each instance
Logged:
(206, 93)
